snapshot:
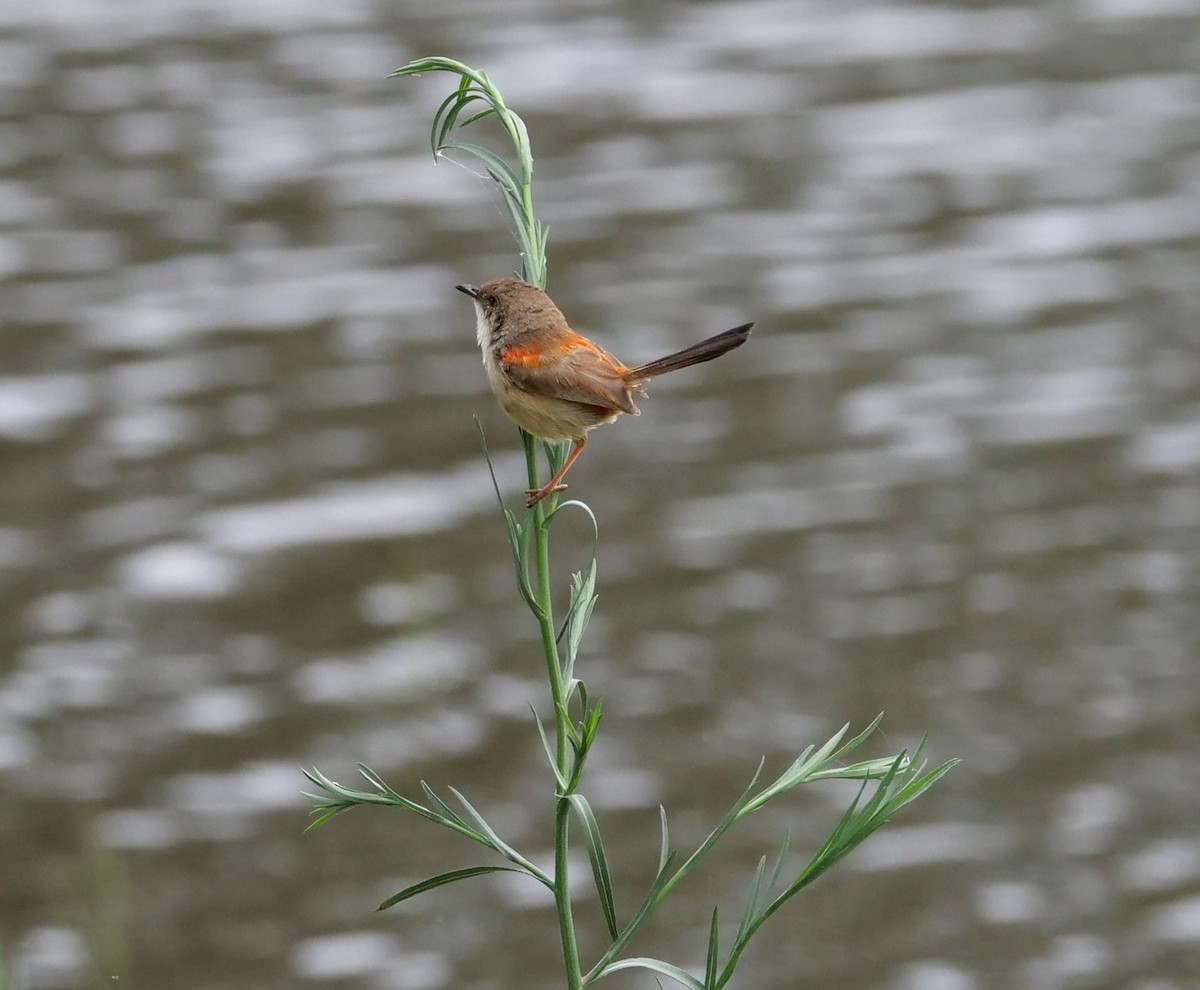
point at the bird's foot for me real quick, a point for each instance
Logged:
(537, 494)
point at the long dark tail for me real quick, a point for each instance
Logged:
(706, 350)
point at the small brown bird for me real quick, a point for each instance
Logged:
(555, 383)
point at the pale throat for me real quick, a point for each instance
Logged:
(483, 332)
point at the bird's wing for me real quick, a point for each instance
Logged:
(576, 370)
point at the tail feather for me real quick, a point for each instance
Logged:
(706, 350)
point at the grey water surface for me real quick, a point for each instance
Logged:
(245, 526)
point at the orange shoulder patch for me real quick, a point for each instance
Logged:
(574, 342)
(523, 357)
(577, 342)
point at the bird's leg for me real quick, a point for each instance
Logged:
(553, 485)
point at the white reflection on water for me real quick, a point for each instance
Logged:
(906, 847)
(347, 511)
(408, 668)
(224, 710)
(179, 571)
(1161, 867)
(1177, 922)
(933, 974)
(37, 407)
(351, 954)
(218, 804)
(1010, 903)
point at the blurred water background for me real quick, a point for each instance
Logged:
(245, 526)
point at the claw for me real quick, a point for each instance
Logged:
(537, 494)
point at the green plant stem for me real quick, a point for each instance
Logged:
(562, 895)
(545, 613)
(562, 815)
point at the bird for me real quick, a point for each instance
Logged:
(553, 382)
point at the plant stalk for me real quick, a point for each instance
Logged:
(562, 815)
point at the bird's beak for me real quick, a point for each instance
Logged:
(470, 290)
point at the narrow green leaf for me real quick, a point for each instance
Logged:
(919, 786)
(860, 738)
(351, 795)
(494, 840)
(441, 880)
(378, 782)
(591, 722)
(550, 755)
(748, 914)
(479, 821)
(664, 841)
(600, 871)
(857, 824)
(572, 607)
(516, 216)
(437, 134)
(710, 964)
(569, 727)
(518, 541)
(809, 764)
(581, 737)
(577, 504)
(866, 770)
(479, 116)
(645, 909)
(318, 778)
(556, 456)
(733, 815)
(583, 601)
(496, 165)
(778, 869)
(812, 761)
(524, 147)
(326, 812)
(680, 976)
(442, 807)
(432, 63)
(463, 99)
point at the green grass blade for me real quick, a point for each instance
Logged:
(735, 813)
(452, 107)
(497, 843)
(488, 112)
(442, 807)
(752, 901)
(645, 909)
(324, 813)
(443, 124)
(875, 769)
(680, 976)
(600, 871)
(441, 880)
(378, 782)
(496, 165)
(584, 595)
(778, 869)
(549, 748)
(518, 541)
(664, 844)
(918, 786)
(710, 963)
(859, 739)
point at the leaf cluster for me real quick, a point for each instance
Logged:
(476, 92)
(898, 780)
